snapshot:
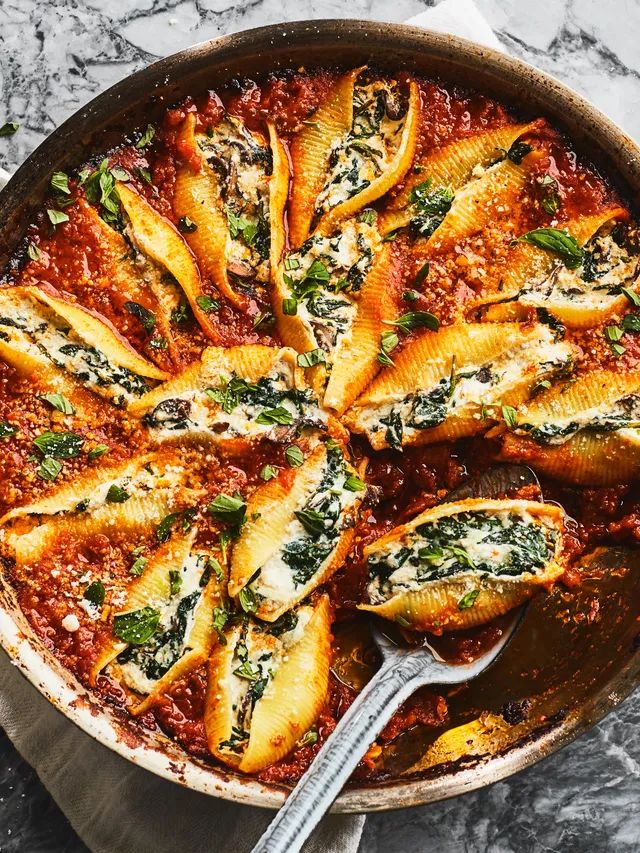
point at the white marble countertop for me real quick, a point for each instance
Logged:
(57, 55)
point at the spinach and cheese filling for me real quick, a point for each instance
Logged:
(243, 164)
(35, 329)
(142, 665)
(271, 408)
(324, 277)
(313, 533)
(623, 416)
(474, 391)
(363, 154)
(609, 263)
(258, 654)
(502, 544)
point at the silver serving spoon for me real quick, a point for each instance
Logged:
(403, 671)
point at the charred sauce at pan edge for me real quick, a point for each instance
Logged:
(402, 484)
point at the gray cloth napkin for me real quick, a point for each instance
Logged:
(117, 807)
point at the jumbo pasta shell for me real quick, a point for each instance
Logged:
(472, 595)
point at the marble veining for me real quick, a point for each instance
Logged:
(54, 57)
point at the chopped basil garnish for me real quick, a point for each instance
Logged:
(7, 430)
(468, 599)
(61, 445)
(117, 495)
(100, 188)
(206, 303)
(231, 510)
(248, 600)
(240, 226)
(294, 455)
(59, 402)
(49, 468)
(420, 276)
(138, 566)
(279, 415)
(268, 472)
(354, 484)
(180, 313)
(60, 183)
(120, 174)
(388, 342)
(98, 450)
(146, 317)
(146, 137)
(220, 619)
(404, 623)
(431, 206)
(368, 215)
(56, 216)
(550, 201)
(613, 333)
(311, 358)
(33, 251)
(308, 739)
(630, 323)
(95, 593)
(510, 416)
(136, 627)
(290, 306)
(163, 530)
(415, 320)
(186, 225)
(265, 318)
(519, 151)
(617, 349)
(555, 240)
(9, 128)
(632, 296)
(410, 295)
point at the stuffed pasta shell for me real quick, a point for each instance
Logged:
(585, 431)
(455, 383)
(361, 142)
(38, 325)
(239, 393)
(164, 626)
(331, 298)
(267, 685)
(299, 530)
(231, 192)
(463, 564)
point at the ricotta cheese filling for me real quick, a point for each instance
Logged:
(243, 164)
(259, 653)
(271, 408)
(46, 335)
(324, 277)
(363, 154)
(622, 414)
(312, 535)
(472, 391)
(142, 666)
(502, 543)
(609, 265)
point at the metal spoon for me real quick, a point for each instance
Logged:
(403, 671)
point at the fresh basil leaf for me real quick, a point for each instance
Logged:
(206, 303)
(415, 320)
(95, 593)
(117, 495)
(557, 241)
(186, 225)
(294, 456)
(9, 128)
(158, 342)
(422, 273)
(56, 216)
(228, 509)
(143, 174)
(290, 307)
(468, 599)
(7, 430)
(146, 317)
(510, 416)
(60, 183)
(60, 445)
(98, 450)
(279, 415)
(138, 566)
(59, 402)
(220, 619)
(49, 468)
(146, 137)
(519, 151)
(179, 314)
(136, 627)
(632, 296)
(308, 739)
(368, 216)
(630, 323)
(354, 484)
(613, 333)
(120, 174)
(410, 296)
(311, 358)
(268, 472)
(550, 201)
(617, 349)
(248, 600)
(33, 251)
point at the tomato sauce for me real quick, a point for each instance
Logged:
(74, 259)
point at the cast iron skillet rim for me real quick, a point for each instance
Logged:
(30, 657)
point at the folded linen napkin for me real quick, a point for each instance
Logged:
(116, 806)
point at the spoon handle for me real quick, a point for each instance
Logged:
(394, 682)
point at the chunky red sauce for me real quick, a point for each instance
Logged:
(75, 259)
